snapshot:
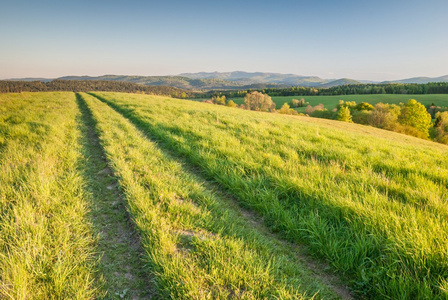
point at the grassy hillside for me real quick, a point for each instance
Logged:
(46, 238)
(92, 208)
(126, 196)
(330, 102)
(198, 245)
(371, 203)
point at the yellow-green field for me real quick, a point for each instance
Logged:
(125, 196)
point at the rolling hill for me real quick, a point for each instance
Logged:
(342, 81)
(367, 201)
(174, 81)
(197, 199)
(260, 77)
(420, 80)
(203, 81)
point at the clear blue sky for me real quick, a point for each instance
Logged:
(375, 40)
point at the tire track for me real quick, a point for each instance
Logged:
(123, 275)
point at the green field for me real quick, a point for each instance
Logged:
(126, 196)
(46, 238)
(330, 102)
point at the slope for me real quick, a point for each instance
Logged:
(371, 203)
(195, 239)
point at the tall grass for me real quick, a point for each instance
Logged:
(46, 244)
(198, 244)
(372, 203)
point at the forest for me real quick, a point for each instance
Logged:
(88, 86)
(349, 89)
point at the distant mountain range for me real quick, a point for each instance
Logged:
(235, 80)
(246, 78)
(421, 80)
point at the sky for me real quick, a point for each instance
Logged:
(362, 39)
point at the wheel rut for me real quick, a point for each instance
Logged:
(122, 273)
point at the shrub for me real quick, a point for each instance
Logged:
(364, 106)
(220, 100)
(408, 130)
(414, 114)
(384, 116)
(298, 103)
(361, 116)
(441, 127)
(231, 103)
(286, 110)
(259, 101)
(309, 109)
(345, 115)
(349, 104)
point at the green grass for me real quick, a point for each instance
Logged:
(131, 196)
(330, 102)
(118, 245)
(199, 244)
(372, 203)
(46, 240)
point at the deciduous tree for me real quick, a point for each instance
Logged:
(231, 103)
(441, 127)
(259, 101)
(414, 114)
(345, 115)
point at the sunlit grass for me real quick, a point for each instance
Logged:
(46, 244)
(372, 203)
(198, 244)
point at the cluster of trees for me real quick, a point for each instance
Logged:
(440, 131)
(287, 110)
(412, 118)
(259, 102)
(252, 101)
(221, 100)
(88, 86)
(313, 109)
(349, 89)
(298, 103)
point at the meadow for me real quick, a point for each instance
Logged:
(371, 203)
(199, 245)
(330, 102)
(46, 239)
(127, 196)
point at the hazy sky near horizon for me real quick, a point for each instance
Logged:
(374, 40)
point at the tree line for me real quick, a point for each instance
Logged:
(89, 86)
(349, 89)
